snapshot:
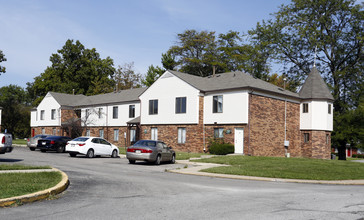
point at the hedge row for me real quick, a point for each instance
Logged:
(221, 149)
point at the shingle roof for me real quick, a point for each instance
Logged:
(231, 80)
(82, 100)
(315, 87)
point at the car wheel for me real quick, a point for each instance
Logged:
(158, 160)
(43, 150)
(114, 154)
(72, 154)
(60, 149)
(173, 160)
(32, 148)
(90, 153)
(132, 161)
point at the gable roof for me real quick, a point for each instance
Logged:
(231, 80)
(82, 100)
(315, 87)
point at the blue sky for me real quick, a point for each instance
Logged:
(136, 31)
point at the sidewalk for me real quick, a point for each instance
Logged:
(60, 187)
(194, 168)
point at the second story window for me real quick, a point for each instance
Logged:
(87, 113)
(115, 112)
(329, 109)
(131, 111)
(181, 105)
(100, 113)
(217, 104)
(153, 107)
(53, 114)
(41, 114)
(305, 108)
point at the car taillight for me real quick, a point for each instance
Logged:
(52, 142)
(141, 150)
(147, 151)
(3, 140)
(130, 150)
(81, 145)
(28, 139)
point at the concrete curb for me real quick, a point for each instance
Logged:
(196, 168)
(41, 195)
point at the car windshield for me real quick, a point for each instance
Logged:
(145, 143)
(80, 139)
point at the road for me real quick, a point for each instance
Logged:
(107, 188)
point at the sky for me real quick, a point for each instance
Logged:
(136, 31)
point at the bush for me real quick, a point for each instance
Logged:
(221, 148)
(358, 155)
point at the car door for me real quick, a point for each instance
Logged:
(105, 146)
(165, 152)
(96, 146)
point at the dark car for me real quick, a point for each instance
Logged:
(150, 151)
(53, 143)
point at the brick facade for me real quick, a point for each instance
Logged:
(267, 127)
(318, 146)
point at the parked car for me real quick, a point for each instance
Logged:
(53, 143)
(150, 151)
(33, 142)
(6, 142)
(91, 147)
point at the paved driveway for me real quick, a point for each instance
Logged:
(106, 188)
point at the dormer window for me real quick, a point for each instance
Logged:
(305, 108)
(329, 109)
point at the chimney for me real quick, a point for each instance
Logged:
(73, 91)
(213, 70)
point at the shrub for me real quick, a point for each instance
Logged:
(221, 148)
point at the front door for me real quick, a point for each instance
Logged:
(239, 140)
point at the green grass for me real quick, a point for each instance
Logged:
(287, 168)
(21, 167)
(16, 184)
(122, 150)
(186, 156)
(20, 141)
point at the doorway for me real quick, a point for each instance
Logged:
(239, 141)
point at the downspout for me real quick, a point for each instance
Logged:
(107, 121)
(249, 115)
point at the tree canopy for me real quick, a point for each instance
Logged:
(127, 78)
(2, 58)
(75, 68)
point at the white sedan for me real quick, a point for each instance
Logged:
(91, 147)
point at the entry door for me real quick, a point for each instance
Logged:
(239, 140)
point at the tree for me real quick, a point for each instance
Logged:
(2, 58)
(127, 78)
(74, 68)
(152, 75)
(16, 111)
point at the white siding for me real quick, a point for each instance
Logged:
(317, 117)
(107, 115)
(166, 89)
(235, 108)
(0, 116)
(47, 104)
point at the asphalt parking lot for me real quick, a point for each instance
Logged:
(107, 188)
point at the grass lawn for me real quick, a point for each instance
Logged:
(16, 184)
(20, 141)
(21, 167)
(287, 168)
(186, 156)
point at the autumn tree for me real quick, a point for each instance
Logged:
(126, 77)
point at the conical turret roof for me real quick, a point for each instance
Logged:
(315, 87)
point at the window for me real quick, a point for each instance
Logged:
(101, 133)
(305, 108)
(153, 107)
(218, 132)
(54, 131)
(327, 138)
(217, 104)
(154, 134)
(87, 113)
(115, 112)
(181, 135)
(329, 108)
(88, 133)
(132, 135)
(181, 105)
(100, 112)
(306, 137)
(43, 131)
(78, 113)
(53, 114)
(116, 134)
(131, 111)
(42, 115)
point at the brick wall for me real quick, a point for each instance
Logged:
(316, 147)
(49, 130)
(267, 127)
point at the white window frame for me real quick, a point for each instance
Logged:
(154, 134)
(181, 135)
(219, 102)
(101, 133)
(220, 132)
(41, 115)
(115, 112)
(53, 114)
(88, 133)
(116, 134)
